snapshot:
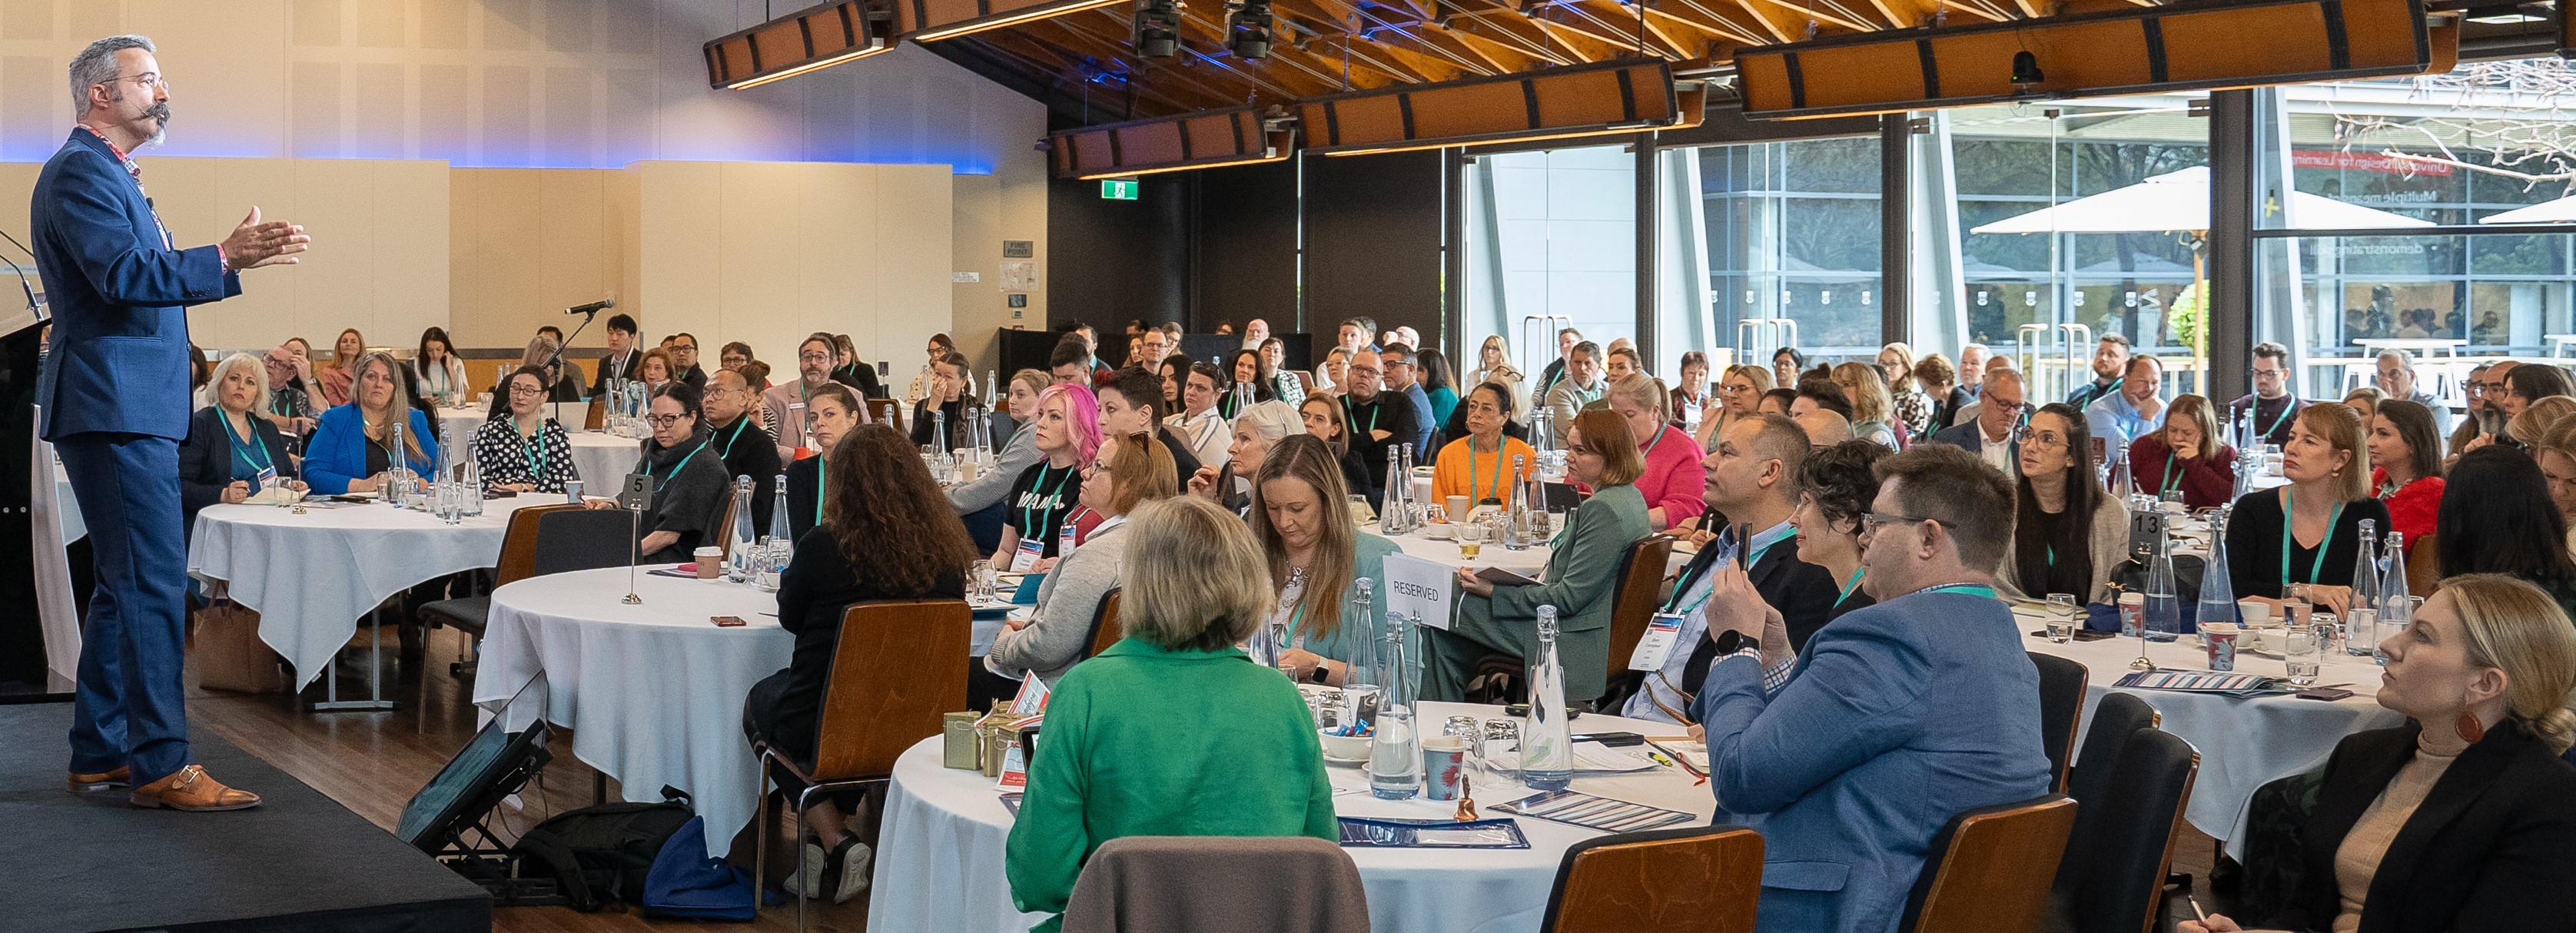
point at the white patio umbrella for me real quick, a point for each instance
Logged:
(2178, 202)
(2552, 212)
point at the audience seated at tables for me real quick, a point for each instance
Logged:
(2187, 459)
(1907, 404)
(992, 485)
(623, 360)
(339, 372)
(1256, 430)
(441, 371)
(1172, 731)
(230, 453)
(1672, 479)
(690, 488)
(1872, 412)
(2298, 541)
(684, 360)
(1198, 424)
(885, 494)
(1581, 386)
(1940, 381)
(2068, 533)
(1401, 379)
(1323, 417)
(655, 371)
(2272, 402)
(2110, 365)
(786, 405)
(731, 406)
(1068, 428)
(2406, 468)
(1379, 419)
(1317, 555)
(2464, 818)
(1481, 464)
(1131, 402)
(352, 446)
(2496, 517)
(528, 451)
(288, 407)
(1284, 384)
(1130, 470)
(2396, 376)
(1739, 395)
(2132, 409)
(1246, 368)
(1580, 574)
(1752, 488)
(1991, 433)
(1850, 755)
(834, 414)
(945, 396)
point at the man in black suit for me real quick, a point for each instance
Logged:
(684, 359)
(747, 450)
(623, 358)
(1379, 419)
(1752, 480)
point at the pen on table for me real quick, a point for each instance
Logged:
(2195, 908)
(1660, 759)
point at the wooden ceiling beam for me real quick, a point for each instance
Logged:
(1507, 25)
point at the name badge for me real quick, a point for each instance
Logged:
(1030, 552)
(267, 478)
(1064, 539)
(1657, 645)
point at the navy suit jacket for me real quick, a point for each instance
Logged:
(1896, 718)
(118, 293)
(1967, 435)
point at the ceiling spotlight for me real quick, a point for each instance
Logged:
(2026, 69)
(1248, 26)
(1157, 32)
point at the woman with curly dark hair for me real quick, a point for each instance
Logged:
(884, 494)
(1835, 487)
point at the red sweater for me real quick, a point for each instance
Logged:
(2412, 510)
(2206, 482)
(1673, 479)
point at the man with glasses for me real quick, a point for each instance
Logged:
(1379, 420)
(2272, 403)
(113, 396)
(1751, 482)
(2396, 376)
(1890, 721)
(2483, 420)
(1404, 377)
(787, 405)
(684, 357)
(290, 401)
(1992, 435)
(747, 450)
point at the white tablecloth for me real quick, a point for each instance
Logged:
(457, 425)
(940, 861)
(311, 576)
(2243, 743)
(602, 460)
(1525, 562)
(653, 692)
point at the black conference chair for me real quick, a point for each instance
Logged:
(587, 539)
(2113, 877)
(2061, 711)
(2113, 719)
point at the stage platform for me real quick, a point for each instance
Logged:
(297, 862)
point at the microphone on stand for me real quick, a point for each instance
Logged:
(593, 307)
(24, 284)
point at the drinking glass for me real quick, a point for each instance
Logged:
(2303, 653)
(1471, 540)
(2062, 615)
(984, 581)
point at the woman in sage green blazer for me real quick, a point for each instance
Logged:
(1172, 731)
(1581, 574)
(1318, 556)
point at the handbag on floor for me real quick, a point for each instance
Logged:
(229, 654)
(599, 855)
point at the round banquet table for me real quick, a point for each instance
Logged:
(457, 425)
(2244, 742)
(653, 692)
(311, 576)
(602, 460)
(939, 861)
(1525, 562)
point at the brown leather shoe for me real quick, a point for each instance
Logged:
(84, 783)
(190, 789)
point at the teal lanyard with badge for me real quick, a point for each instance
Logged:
(2289, 538)
(535, 449)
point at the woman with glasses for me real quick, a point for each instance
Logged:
(1331, 373)
(1131, 469)
(2185, 459)
(2480, 420)
(1739, 395)
(2068, 533)
(1907, 403)
(2297, 542)
(1786, 364)
(690, 489)
(1258, 429)
(231, 454)
(1034, 512)
(1317, 556)
(527, 452)
(1584, 560)
(353, 447)
(833, 413)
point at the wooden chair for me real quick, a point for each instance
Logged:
(596, 417)
(1105, 630)
(471, 614)
(1633, 601)
(2114, 877)
(2061, 711)
(2424, 565)
(894, 674)
(723, 531)
(886, 411)
(1986, 871)
(1689, 878)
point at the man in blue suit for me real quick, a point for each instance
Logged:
(1990, 434)
(114, 399)
(1850, 755)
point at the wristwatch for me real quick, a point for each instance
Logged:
(1315, 675)
(1732, 641)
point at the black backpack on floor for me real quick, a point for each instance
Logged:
(599, 855)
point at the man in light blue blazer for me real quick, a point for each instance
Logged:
(114, 400)
(1850, 755)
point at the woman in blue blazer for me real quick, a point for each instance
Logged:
(351, 447)
(229, 447)
(1318, 557)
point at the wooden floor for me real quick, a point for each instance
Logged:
(373, 762)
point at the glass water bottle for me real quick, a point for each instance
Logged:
(1547, 745)
(738, 558)
(2361, 615)
(1395, 752)
(1366, 679)
(2217, 590)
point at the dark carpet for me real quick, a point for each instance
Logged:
(297, 862)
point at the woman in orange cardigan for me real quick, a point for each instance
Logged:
(1479, 465)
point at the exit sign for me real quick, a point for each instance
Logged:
(1118, 189)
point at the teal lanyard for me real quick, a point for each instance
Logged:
(535, 449)
(1028, 514)
(2286, 409)
(1853, 586)
(2290, 538)
(1964, 589)
(263, 463)
(675, 468)
(738, 424)
(2172, 478)
(1493, 492)
(822, 468)
(1351, 414)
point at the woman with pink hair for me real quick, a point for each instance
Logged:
(1033, 513)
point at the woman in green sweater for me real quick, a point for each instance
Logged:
(1173, 731)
